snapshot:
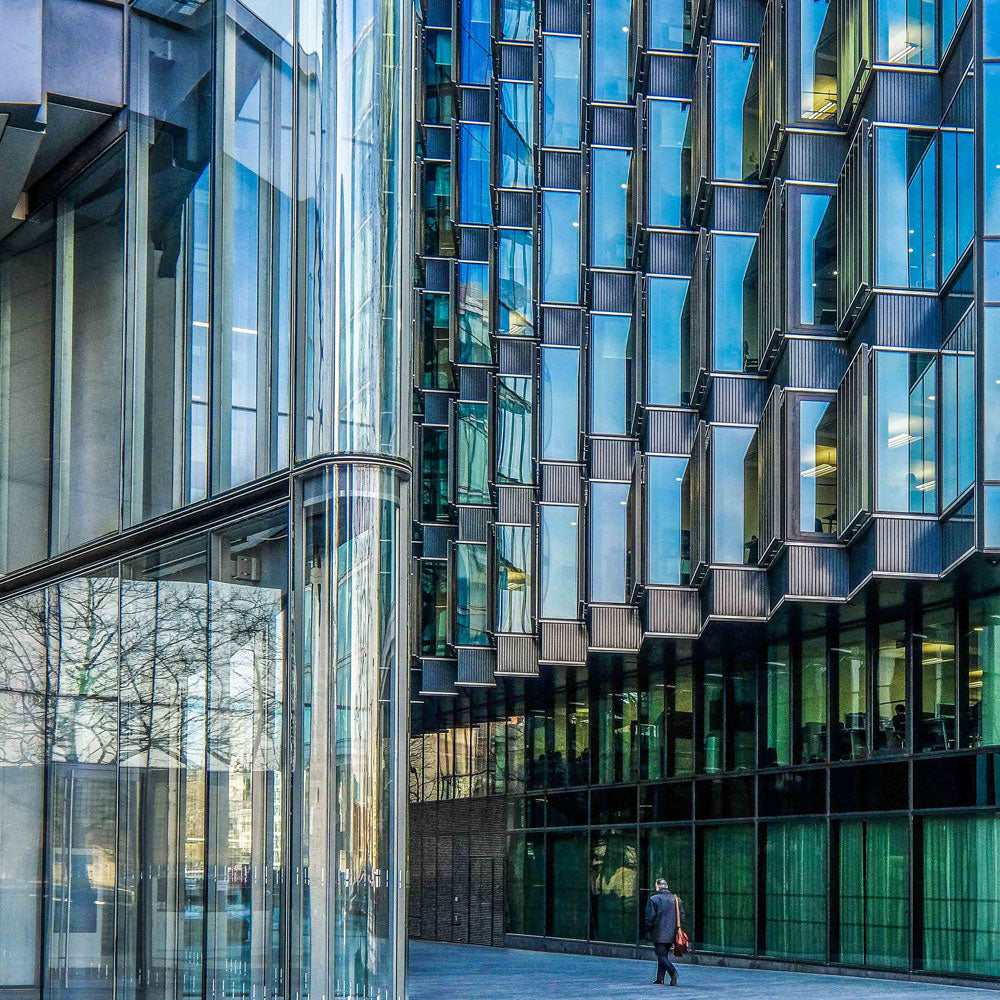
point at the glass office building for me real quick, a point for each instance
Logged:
(707, 522)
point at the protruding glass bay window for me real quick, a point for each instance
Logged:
(667, 531)
(734, 495)
(559, 561)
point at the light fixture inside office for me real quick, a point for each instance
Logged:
(823, 469)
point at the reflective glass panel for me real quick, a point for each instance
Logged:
(817, 465)
(607, 541)
(473, 450)
(439, 88)
(906, 208)
(433, 607)
(991, 137)
(517, 20)
(906, 431)
(436, 330)
(934, 715)
(473, 314)
(515, 430)
(818, 260)
(669, 25)
(475, 60)
(560, 403)
(731, 509)
(958, 423)
(609, 170)
(474, 174)
(734, 303)
(434, 474)
(727, 903)
(777, 709)
(669, 163)
(667, 344)
(889, 725)
(818, 60)
(852, 697)
(558, 569)
(570, 885)
(515, 578)
(609, 50)
(560, 246)
(667, 528)
(982, 680)
(951, 13)
(735, 112)
(795, 880)
(609, 347)
(439, 229)
(811, 721)
(515, 270)
(991, 391)
(561, 108)
(613, 868)
(958, 166)
(905, 32)
(471, 595)
(517, 134)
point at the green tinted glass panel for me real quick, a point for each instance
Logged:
(727, 903)
(795, 891)
(472, 483)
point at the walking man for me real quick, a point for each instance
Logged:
(662, 918)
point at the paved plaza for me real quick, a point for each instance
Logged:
(458, 972)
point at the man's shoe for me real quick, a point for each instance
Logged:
(673, 980)
(657, 982)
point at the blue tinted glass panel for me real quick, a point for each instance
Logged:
(558, 569)
(991, 270)
(958, 177)
(958, 424)
(473, 314)
(906, 208)
(609, 343)
(991, 392)
(905, 32)
(818, 260)
(560, 403)
(951, 14)
(471, 595)
(517, 133)
(609, 185)
(667, 341)
(991, 502)
(472, 454)
(734, 303)
(818, 60)
(669, 163)
(669, 25)
(514, 578)
(560, 246)
(991, 138)
(517, 19)
(906, 432)
(474, 43)
(561, 121)
(609, 49)
(514, 399)
(438, 85)
(817, 466)
(729, 452)
(474, 175)
(735, 132)
(607, 541)
(666, 521)
(515, 282)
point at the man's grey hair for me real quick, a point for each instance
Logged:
(661, 883)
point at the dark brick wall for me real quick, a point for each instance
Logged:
(456, 871)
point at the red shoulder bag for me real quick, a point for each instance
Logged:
(681, 941)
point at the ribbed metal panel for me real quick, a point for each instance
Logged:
(474, 523)
(611, 291)
(813, 156)
(770, 505)
(698, 479)
(560, 483)
(514, 504)
(515, 208)
(669, 253)
(562, 16)
(671, 611)
(813, 364)
(670, 76)
(437, 274)
(854, 227)
(904, 97)
(436, 408)
(562, 326)
(473, 242)
(772, 267)
(437, 142)
(474, 104)
(476, 667)
(437, 677)
(735, 400)
(612, 126)
(732, 592)
(436, 538)
(958, 535)
(954, 72)
(474, 384)
(517, 655)
(902, 320)
(438, 14)
(816, 571)
(611, 458)
(563, 642)
(515, 62)
(669, 432)
(615, 627)
(562, 170)
(907, 545)
(853, 431)
(515, 356)
(737, 208)
(737, 20)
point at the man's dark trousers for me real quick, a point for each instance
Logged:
(663, 963)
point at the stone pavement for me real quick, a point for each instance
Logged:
(460, 972)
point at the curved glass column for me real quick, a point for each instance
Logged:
(352, 359)
(352, 656)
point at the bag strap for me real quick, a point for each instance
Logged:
(677, 904)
